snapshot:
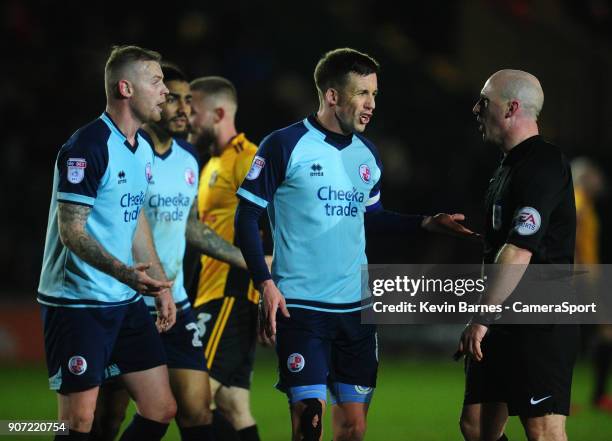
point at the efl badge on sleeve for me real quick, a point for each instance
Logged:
(364, 173)
(76, 170)
(527, 221)
(256, 166)
(190, 177)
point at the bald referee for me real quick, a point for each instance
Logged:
(523, 370)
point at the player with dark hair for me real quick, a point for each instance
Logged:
(523, 370)
(90, 286)
(320, 180)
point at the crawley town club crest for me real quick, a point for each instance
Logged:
(77, 365)
(148, 172)
(190, 177)
(76, 170)
(364, 173)
(295, 362)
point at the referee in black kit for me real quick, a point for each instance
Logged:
(523, 370)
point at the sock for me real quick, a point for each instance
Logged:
(503, 438)
(222, 428)
(144, 429)
(73, 435)
(249, 433)
(197, 433)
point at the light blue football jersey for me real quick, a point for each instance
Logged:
(98, 168)
(169, 198)
(316, 186)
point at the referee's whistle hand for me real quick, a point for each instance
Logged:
(444, 223)
(273, 301)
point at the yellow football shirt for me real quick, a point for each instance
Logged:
(217, 202)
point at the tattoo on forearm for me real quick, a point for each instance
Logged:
(71, 222)
(210, 243)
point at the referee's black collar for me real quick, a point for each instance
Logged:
(520, 150)
(336, 139)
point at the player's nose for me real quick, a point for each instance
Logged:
(476, 108)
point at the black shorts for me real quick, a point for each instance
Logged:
(529, 367)
(229, 334)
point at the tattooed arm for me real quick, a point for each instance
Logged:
(202, 237)
(71, 222)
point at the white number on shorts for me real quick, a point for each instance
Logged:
(203, 318)
(192, 326)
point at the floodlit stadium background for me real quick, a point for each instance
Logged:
(435, 57)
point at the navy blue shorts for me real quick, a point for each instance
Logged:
(183, 344)
(319, 350)
(86, 345)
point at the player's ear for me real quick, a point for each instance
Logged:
(513, 107)
(219, 114)
(124, 88)
(331, 96)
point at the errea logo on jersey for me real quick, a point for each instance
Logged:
(256, 166)
(76, 170)
(527, 221)
(317, 169)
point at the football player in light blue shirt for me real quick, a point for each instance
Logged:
(92, 311)
(170, 205)
(320, 181)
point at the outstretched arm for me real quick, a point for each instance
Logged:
(202, 237)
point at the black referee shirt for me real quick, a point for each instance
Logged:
(530, 204)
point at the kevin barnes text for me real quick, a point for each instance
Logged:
(520, 307)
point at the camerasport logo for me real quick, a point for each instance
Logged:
(364, 173)
(190, 177)
(76, 169)
(77, 365)
(295, 362)
(527, 221)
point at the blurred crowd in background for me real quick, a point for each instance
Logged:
(435, 57)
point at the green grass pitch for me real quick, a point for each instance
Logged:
(415, 400)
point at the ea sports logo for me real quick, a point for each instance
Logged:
(77, 365)
(364, 173)
(190, 176)
(527, 221)
(295, 362)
